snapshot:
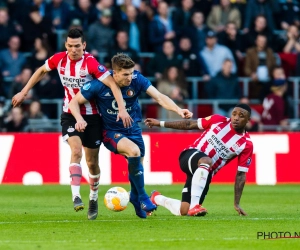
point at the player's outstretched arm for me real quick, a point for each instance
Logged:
(74, 106)
(36, 77)
(183, 125)
(123, 114)
(240, 180)
(168, 103)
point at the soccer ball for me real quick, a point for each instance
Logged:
(116, 199)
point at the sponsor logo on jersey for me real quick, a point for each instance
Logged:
(82, 73)
(116, 136)
(248, 161)
(101, 68)
(71, 130)
(87, 86)
(207, 118)
(130, 92)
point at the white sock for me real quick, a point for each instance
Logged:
(198, 184)
(172, 205)
(75, 191)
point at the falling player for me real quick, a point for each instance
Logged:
(223, 140)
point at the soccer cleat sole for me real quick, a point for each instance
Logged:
(79, 208)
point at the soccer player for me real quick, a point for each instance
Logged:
(125, 141)
(76, 67)
(223, 140)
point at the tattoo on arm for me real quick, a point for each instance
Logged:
(239, 186)
(183, 125)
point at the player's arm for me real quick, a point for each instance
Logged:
(182, 125)
(240, 180)
(167, 103)
(74, 106)
(123, 114)
(36, 77)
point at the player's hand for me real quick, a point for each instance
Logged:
(18, 99)
(150, 122)
(185, 113)
(240, 211)
(80, 125)
(125, 117)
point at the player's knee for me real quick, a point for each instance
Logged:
(76, 153)
(134, 151)
(205, 160)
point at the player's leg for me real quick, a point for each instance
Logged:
(131, 150)
(195, 182)
(73, 137)
(205, 191)
(91, 142)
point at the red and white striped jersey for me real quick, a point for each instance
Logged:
(222, 143)
(74, 74)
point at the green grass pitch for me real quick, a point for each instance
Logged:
(42, 217)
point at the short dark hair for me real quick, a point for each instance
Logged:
(245, 107)
(121, 61)
(76, 33)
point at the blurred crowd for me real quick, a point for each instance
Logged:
(217, 40)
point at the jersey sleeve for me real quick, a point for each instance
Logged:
(52, 62)
(205, 123)
(95, 69)
(245, 158)
(143, 81)
(90, 89)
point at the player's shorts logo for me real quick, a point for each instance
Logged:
(71, 130)
(101, 68)
(87, 86)
(116, 136)
(130, 92)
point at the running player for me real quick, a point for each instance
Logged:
(75, 68)
(125, 141)
(223, 140)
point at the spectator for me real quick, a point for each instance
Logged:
(224, 85)
(100, 34)
(222, 14)
(11, 62)
(181, 16)
(59, 12)
(292, 41)
(117, 17)
(35, 111)
(20, 81)
(85, 12)
(192, 62)
(163, 60)
(214, 54)
(196, 31)
(122, 47)
(161, 27)
(34, 25)
(7, 29)
(259, 62)
(258, 7)
(136, 28)
(260, 27)
(274, 105)
(15, 121)
(232, 39)
(40, 53)
(289, 13)
(173, 85)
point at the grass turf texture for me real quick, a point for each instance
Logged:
(42, 217)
